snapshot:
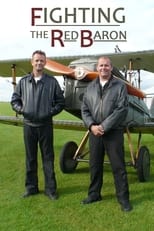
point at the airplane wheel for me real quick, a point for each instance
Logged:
(67, 163)
(143, 164)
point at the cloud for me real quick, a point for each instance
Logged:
(6, 90)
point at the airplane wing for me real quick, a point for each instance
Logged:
(23, 66)
(58, 124)
(146, 128)
(142, 60)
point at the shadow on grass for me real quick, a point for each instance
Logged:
(75, 190)
(144, 195)
(82, 170)
(72, 189)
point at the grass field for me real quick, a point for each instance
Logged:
(38, 213)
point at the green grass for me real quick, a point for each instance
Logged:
(38, 213)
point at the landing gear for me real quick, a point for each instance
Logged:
(67, 163)
(71, 154)
(143, 164)
(140, 160)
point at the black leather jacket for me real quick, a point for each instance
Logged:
(107, 106)
(38, 102)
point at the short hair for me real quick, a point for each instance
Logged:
(39, 52)
(107, 58)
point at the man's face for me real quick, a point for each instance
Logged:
(104, 68)
(38, 62)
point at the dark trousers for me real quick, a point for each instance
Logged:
(43, 136)
(112, 144)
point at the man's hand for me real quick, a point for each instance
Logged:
(97, 130)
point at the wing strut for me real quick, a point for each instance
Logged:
(13, 68)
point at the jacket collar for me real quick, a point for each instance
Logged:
(109, 83)
(31, 77)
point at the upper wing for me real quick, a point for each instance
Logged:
(143, 60)
(23, 66)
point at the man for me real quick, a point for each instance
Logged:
(103, 110)
(38, 97)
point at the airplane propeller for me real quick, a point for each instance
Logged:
(58, 68)
(82, 72)
(77, 73)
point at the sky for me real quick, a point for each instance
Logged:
(17, 41)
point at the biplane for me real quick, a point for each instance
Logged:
(77, 72)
